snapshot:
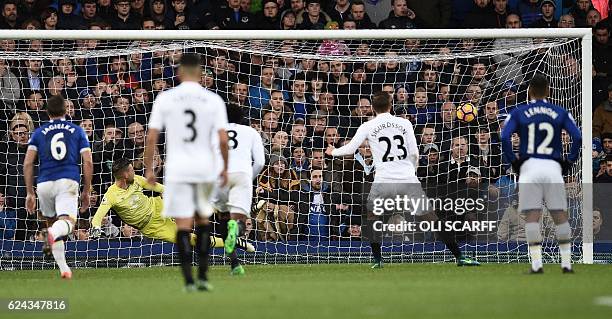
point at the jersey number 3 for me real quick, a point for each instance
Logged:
(544, 147)
(194, 132)
(58, 147)
(400, 145)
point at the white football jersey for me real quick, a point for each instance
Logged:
(192, 117)
(246, 151)
(393, 145)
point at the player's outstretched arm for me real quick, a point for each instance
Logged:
(572, 129)
(87, 161)
(157, 187)
(28, 175)
(150, 146)
(96, 222)
(351, 147)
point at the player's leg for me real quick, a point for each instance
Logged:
(563, 232)
(179, 203)
(59, 198)
(533, 235)
(531, 196)
(202, 249)
(556, 202)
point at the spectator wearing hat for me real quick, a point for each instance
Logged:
(313, 17)
(67, 18)
(602, 118)
(232, 17)
(481, 16)
(360, 16)
(124, 18)
(547, 20)
(288, 20)
(269, 17)
(400, 17)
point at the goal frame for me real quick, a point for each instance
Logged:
(585, 34)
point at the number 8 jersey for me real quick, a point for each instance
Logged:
(192, 117)
(59, 145)
(393, 146)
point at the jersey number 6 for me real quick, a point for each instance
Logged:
(58, 147)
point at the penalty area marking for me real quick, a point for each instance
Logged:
(603, 301)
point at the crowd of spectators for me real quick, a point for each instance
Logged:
(302, 105)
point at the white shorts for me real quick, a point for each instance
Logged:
(541, 183)
(236, 196)
(184, 200)
(60, 197)
(409, 190)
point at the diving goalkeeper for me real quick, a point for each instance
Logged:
(126, 198)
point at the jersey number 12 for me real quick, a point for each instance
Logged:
(544, 147)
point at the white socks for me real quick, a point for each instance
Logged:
(60, 228)
(564, 237)
(534, 239)
(60, 257)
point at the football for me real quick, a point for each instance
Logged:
(467, 112)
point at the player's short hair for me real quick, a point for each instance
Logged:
(234, 113)
(191, 60)
(538, 86)
(119, 165)
(381, 102)
(55, 106)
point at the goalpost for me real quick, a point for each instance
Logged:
(102, 74)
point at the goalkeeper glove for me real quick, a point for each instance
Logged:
(95, 232)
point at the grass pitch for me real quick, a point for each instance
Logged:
(323, 291)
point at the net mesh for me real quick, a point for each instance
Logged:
(301, 96)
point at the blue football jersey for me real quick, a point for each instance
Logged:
(59, 144)
(539, 125)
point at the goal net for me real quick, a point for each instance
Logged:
(301, 95)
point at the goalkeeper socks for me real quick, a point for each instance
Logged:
(448, 238)
(58, 250)
(202, 249)
(184, 250)
(60, 228)
(234, 261)
(564, 236)
(376, 251)
(534, 238)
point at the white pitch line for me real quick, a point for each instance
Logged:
(603, 301)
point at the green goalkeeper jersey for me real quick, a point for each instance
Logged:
(131, 204)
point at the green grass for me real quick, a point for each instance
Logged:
(323, 291)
